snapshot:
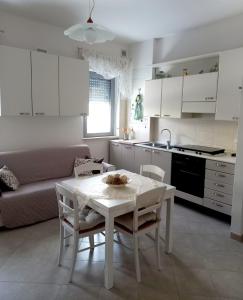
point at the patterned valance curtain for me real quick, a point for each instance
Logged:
(110, 67)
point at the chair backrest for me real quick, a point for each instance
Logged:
(153, 172)
(87, 168)
(148, 202)
(67, 204)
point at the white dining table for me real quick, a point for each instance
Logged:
(115, 201)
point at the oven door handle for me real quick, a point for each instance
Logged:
(190, 173)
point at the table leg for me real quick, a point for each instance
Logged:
(109, 227)
(169, 224)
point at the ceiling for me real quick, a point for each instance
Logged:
(130, 20)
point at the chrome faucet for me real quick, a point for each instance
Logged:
(168, 141)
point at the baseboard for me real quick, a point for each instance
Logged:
(237, 237)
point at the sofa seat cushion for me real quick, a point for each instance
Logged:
(31, 203)
(126, 220)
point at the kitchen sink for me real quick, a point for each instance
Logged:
(155, 145)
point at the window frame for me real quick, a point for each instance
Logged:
(113, 116)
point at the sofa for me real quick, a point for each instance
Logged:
(37, 172)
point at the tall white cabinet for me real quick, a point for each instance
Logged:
(152, 98)
(172, 97)
(15, 82)
(45, 84)
(73, 86)
(230, 85)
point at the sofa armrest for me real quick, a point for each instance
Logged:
(108, 167)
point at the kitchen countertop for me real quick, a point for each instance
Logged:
(226, 157)
(128, 142)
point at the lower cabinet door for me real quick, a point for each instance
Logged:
(115, 154)
(127, 152)
(142, 156)
(162, 159)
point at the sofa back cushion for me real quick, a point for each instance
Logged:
(42, 164)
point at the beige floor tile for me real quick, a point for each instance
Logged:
(228, 284)
(29, 270)
(73, 292)
(189, 297)
(196, 282)
(23, 291)
(161, 282)
(224, 261)
(86, 273)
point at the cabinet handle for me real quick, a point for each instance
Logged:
(240, 87)
(166, 115)
(209, 98)
(146, 150)
(219, 185)
(156, 115)
(219, 205)
(220, 165)
(39, 113)
(218, 195)
(220, 175)
(235, 118)
(24, 114)
(128, 147)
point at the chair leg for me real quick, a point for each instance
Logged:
(66, 240)
(157, 247)
(136, 256)
(74, 256)
(91, 241)
(61, 244)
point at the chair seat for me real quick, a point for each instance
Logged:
(127, 220)
(88, 218)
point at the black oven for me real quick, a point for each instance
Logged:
(188, 174)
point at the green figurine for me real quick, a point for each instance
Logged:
(138, 112)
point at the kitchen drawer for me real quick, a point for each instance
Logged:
(218, 196)
(219, 176)
(219, 186)
(220, 166)
(218, 206)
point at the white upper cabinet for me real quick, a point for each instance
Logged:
(74, 86)
(152, 98)
(200, 87)
(230, 84)
(15, 81)
(172, 97)
(45, 84)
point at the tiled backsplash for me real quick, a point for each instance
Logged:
(203, 131)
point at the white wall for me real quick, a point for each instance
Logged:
(142, 59)
(222, 35)
(31, 132)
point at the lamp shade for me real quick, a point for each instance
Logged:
(90, 33)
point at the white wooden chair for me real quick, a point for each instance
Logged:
(88, 168)
(75, 223)
(153, 172)
(144, 219)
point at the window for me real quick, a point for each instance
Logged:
(100, 121)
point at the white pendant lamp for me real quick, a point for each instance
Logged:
(89, 32)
